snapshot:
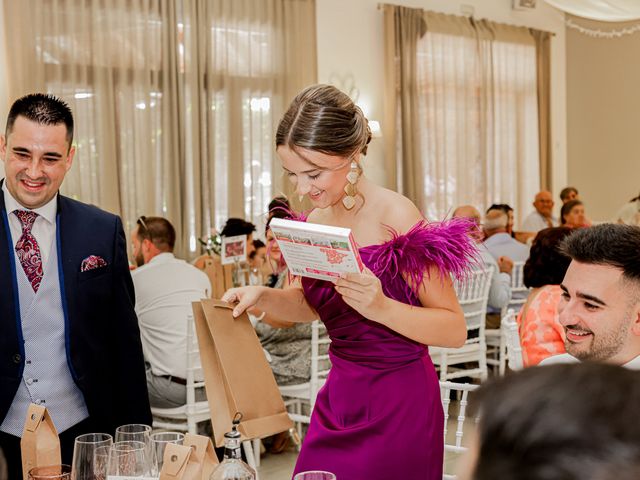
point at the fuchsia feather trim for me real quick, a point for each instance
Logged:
(445, 245)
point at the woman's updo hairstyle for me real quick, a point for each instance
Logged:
(324, 119)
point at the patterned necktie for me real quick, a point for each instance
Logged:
(28, 250)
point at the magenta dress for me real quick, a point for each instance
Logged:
(379, 414)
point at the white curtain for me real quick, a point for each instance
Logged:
(175, 102)
(475, 137)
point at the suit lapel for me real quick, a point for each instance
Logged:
(66, 236)
(9, 303)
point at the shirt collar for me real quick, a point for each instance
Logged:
(48, 211)
(163, 257)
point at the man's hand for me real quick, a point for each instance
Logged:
(505, 265)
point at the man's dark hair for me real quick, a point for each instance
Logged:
(159, 231)
(546, 264)
(566, 191)
(500, 206)
(44, 109)
(237, 226)
(559, 422)
(609, 244)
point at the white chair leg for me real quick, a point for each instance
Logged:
(503, 355)
(251, 460)
(256, 450)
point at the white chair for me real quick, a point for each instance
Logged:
(186, 417)
(511, 342)
(473, 295)
(462, 390)
(494, 337)
(305, 393)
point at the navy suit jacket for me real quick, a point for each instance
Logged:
(102, 337)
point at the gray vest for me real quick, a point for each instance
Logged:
(46, 379)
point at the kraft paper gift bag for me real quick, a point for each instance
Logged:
(40, 445)
(178, 463)
(203, 453)
(237, 375)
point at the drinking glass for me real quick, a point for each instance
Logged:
(90, 454)
(134, 432)
(159, 442)
(129, 459)
(315, 475)
(50, 472)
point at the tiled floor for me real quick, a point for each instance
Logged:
(277, 467)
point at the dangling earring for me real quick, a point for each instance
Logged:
(349, 200)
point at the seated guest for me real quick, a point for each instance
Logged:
(600, 306)
(541, 334)
(542, 217)
(258, 256)
(572, 215)
(508, 211)
(500, 290)
(288, 343)
(562, 422)
(629, 214)
(569, 193)
(497, 238)
(238, 226)
(165, 287)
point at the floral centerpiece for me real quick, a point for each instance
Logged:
(212, 243)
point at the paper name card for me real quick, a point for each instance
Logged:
(317, 251)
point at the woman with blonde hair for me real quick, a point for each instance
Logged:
(379, 414)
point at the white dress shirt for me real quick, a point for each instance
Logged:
(634, 364)
(165, 288)
(44, 227)
(502, 244)
(500, 290)
(536, 222)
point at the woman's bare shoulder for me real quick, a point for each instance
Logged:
(397, 211)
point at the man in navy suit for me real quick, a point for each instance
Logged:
(69, 337)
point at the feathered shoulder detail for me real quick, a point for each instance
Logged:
(445, 245)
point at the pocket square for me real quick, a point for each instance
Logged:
(92, 262)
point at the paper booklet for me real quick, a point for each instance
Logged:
(317, 251)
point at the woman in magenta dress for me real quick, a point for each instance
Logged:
(379, 414)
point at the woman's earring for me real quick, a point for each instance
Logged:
(349, 200)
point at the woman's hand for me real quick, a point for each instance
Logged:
(363, 292)
(245, 297)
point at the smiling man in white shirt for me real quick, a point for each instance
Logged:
(165, 287)
(600, 306)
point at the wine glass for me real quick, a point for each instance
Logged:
(50, 472)
(129, 459)
(159, 441)
(136, 432)
(315, 475)
(90, 455)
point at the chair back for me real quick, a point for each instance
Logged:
(453, 442)
(219, 275)
(519, 292)
(473, 295)
(195, 374)
(512, 340)
(320, 363)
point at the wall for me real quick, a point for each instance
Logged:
(603, 105)
(350, 42)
